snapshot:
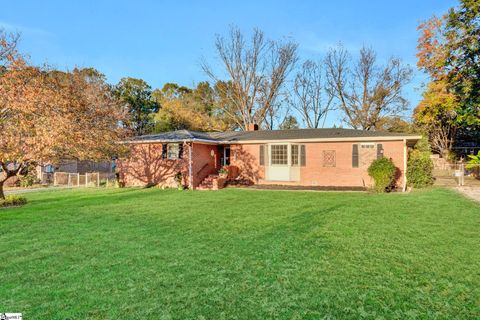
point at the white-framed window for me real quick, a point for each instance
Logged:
(172, 151)
(279, 154)
(295, 154)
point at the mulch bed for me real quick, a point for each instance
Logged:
(288, 187)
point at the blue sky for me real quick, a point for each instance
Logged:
(162, 41)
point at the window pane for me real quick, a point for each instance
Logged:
(280, 154)
(172, 151)
(294, 155)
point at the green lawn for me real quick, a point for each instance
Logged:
(240, 254)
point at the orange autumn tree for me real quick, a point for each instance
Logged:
(46, 116)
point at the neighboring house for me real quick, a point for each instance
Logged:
(298, 157)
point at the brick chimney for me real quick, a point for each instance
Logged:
(252, 127)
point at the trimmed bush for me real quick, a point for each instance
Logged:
(13, 201)
(383, 173)
(420, 166)
(419, 171)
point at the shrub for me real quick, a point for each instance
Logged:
(179, 180)
(419, 171)
(474, 161)
(28, 181)
(383, 173)
(223, 171)
(13, 200)
(29, 177)
(420, 166)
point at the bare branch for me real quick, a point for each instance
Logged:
(366, 92)
(256, 72)
(310, 97)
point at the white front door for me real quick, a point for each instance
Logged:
(279, 162)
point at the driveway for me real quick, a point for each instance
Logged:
(470, 192)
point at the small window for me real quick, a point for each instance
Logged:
(279, 154)
(367, 145)
(295, 154)
(329, 158)
(172, 152)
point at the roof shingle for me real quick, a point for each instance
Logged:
(265, 135)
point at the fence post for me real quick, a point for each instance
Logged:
(98, 179)
(78, 179)
(69, 179)
(54, 179)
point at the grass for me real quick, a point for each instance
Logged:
(239, 254)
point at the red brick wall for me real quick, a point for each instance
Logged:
(145, 166)
(203, 162)
(246, 158)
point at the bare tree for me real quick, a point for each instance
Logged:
(8, 47)
(256, 70)
(309, 96)
(365, 91)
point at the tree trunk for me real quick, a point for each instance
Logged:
(2, 194)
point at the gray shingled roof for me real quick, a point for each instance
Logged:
(266, 135)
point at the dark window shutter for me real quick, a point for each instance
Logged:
(180, 151)
(164, 151)
(355, 156)
(302, 156)
(379, 151)
(262, 155)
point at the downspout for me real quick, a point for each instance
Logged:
(190, 167)
(404, 165)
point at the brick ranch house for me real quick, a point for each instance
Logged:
(300, 157)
